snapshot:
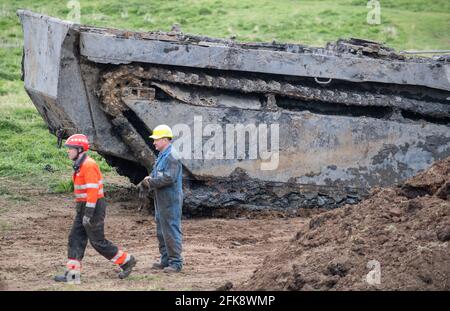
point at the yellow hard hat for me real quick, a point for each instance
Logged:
(161, 131)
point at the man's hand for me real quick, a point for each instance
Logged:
(145, 181)
(144, 187)
(86, 221)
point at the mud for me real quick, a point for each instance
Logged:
(240, 192)
(404, 229)
(217, 251)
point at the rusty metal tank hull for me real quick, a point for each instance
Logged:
(349, 116)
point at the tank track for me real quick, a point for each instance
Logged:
(395, 105)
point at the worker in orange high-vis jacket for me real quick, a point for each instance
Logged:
(90, 213)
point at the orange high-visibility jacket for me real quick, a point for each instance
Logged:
(88, 183)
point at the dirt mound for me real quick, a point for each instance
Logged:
(397, 239)
(434, 181)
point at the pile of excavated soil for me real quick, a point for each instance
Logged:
(397, 239)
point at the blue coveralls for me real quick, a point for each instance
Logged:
(167, 183)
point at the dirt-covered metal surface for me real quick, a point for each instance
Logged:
(338, 119)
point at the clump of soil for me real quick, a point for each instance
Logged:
(397, 239)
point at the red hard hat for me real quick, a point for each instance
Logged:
(77, 141)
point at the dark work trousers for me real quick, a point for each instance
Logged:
(79, 235)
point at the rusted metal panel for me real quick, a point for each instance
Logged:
(314, 149)
(54, 80)
(43, 37)
(109, 49)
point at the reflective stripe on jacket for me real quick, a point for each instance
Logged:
(88, 183)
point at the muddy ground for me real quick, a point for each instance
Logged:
(35, 227)
(397, 239)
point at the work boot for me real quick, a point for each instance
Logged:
(127, 267)
(171, 269)
(158, 266)
(61, 277)
(70, 278)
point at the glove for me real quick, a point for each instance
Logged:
(143, 187)
(86, 221)
(88, 213)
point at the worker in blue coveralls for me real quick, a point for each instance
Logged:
(166, 182)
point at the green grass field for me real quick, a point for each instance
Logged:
(26, 147)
